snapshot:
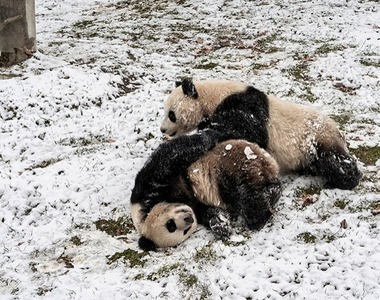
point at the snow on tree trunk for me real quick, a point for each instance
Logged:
(17, 31)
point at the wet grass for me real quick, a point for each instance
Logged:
(130, 257)
(121, 226)
(342, 119)
(340, 203)
(265, 44)
(309, 190)
(328, 48)
(206, 66)
(205, 254)
(307, 237)
(186, 278)
(370, 63)
(368, 155)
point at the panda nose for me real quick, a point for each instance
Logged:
(163, 130)
(189, 219)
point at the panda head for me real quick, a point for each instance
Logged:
(191, 104)
(166, 225)
(183, 110)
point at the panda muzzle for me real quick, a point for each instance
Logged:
(189, 220)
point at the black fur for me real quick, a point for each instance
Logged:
(340, 170)
(147, 244)
(249, 200)
(154, 183)
(243, 116)
(188, 88)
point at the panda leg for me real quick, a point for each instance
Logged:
(339, 169)
(256, 204)
(217, 219)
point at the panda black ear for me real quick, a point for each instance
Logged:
(147, 244)
(178, 83)
(189, 89)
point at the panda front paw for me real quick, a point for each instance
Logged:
(221, 226)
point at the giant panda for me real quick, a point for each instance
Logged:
(298, 137)
(186, 181)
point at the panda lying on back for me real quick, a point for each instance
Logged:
(299, 138)
(186, 180)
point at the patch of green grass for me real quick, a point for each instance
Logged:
(366, 121)
(233, 244)
(307, 237)
(351, 90)
(205, 254)
(340, 203)
(130, 256)
(83, 24)
(342, 119)
(43, 290)
(44, 164)
(329, 237)
(373, 206)
(65, 260)
(7, 76)
(328, 48)
(370, 63)
(121, 226)
(256, 66)
(82, 226)
(308, 190)
(368, 155)
(91, 139)
(265, 44)
(76, 241)
(309, 95)
(188, 279)
(164, 271)
(207, 66)
(299, 72)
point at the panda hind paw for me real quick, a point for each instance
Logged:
(220, 226)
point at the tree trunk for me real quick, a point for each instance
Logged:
(17, 31)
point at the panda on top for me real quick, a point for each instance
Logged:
(200, 178)
(298, 137)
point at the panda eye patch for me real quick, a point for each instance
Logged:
(172, 117)
(171, 226)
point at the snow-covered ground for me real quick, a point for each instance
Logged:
(79, 119)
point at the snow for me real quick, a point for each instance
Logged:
(80, 118)
(249, 153)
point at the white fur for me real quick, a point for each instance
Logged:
(153, 226)
(293, 131)
(190, 112)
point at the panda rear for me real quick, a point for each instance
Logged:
(242, 178)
